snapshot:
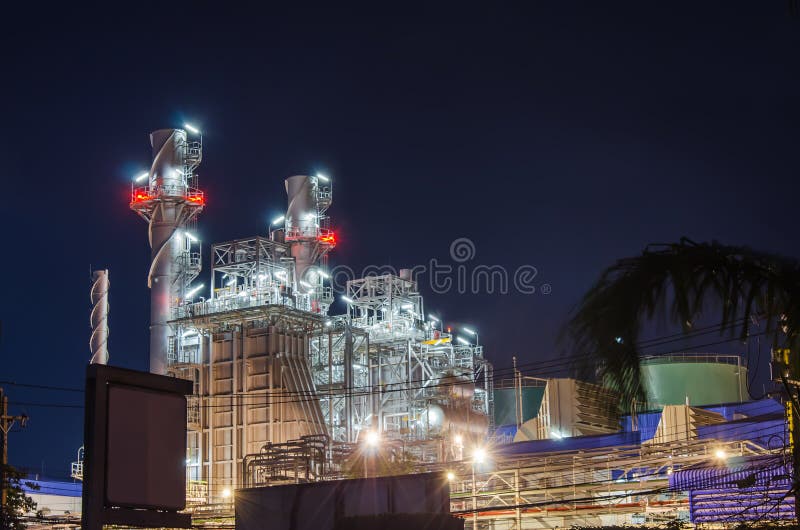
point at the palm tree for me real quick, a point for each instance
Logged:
(680, 282)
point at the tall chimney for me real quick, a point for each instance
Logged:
(98, 342)
(168, 203)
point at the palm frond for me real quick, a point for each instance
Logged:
(678, 283)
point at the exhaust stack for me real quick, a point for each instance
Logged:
(98, 342)
(169, 202)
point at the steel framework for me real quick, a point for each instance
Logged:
(421, 386)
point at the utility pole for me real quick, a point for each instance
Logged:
(6, 422)
(786, 370)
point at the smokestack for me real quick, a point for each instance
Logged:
(168, 203)
(302, 224)
(98, 342)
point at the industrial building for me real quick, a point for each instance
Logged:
(286, 392)
(275, 375)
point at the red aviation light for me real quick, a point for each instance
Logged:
(196, 198)
(329, 238)
(140, 196)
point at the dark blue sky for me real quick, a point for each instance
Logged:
(561, 135)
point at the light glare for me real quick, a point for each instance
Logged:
(195, 290)
(373, 438)
(142, 176)
(191, 129)
(278, 220)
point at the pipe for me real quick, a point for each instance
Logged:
(98, 342)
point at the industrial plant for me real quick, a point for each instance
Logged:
(287, 392)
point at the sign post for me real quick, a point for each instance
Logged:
(135, 440)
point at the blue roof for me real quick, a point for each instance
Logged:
(571, 444)
(53, 487)
(763, 423)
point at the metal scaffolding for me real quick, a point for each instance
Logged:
(592, 487)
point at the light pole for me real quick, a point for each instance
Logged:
(371, 440)
(276, 221)
(473, 333)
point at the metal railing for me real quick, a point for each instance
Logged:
(692, 358)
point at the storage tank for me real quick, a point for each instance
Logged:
(702, 378)
(505, 412)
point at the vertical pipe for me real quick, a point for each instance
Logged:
(98, 342)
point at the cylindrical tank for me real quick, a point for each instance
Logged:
(454, 386)
(505, 411)
(702, 379)
(441, 419)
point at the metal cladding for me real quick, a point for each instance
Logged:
(301, 221)
(98, 342)
(168, 159)
(168, 203)
(305, 222)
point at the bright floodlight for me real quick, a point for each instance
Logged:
(462, 340)
(433, 318)
(328, 323)
(373, 438)
(556, 435)
(721, 454)
(191, 237)
(305, 284)
(470, 331)
(479, 455)
(142, 176)
(324, 274)
(459, 440)
(346, 299)
(226, 493)
(194, 291)
(191, 129)
(322, 177)
(451, 476)
(278, 220)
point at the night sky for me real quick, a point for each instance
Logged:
(560, 135)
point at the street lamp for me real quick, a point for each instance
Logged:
(371, 440)
(478, 457)
(226, 493)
